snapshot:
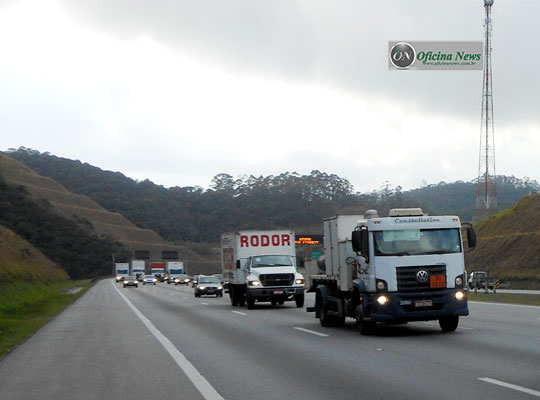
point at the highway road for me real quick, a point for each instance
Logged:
(160, 342)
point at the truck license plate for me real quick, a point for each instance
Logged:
(423, 303)
(278, 291)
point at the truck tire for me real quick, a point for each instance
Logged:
(232, 295)
(329, 320)
(364, 327)
(299, 299)
(273, 302)
(250, 302)
(242, 300)
(449, 324)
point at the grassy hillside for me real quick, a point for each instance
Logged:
(97, 220)
(509, 243)
(20, 261)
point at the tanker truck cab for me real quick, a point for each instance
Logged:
(404, 267)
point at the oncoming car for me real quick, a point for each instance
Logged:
(208, 285)
(131, 281)
(182, 280)
(149, 279)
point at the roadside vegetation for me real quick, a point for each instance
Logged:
(509, 298)
(27, 306)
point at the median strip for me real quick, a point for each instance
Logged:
(312, 332)
(511, 386)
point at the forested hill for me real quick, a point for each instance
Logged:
(288, 200)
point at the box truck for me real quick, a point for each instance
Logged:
(260, 266)
(138, 268)
(404, 267)
(158, 270)
(121, 270)
(175, 272)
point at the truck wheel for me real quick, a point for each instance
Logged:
(364, 327)
(242, 300)
(281, 302)
(299, 299)
(273, 302)
(234, 301)
(329, 320)
(250, 302)
(449, 324)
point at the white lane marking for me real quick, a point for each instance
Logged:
(459, 327)
(172, 294)
(185, 298)
(204, 304)
(511, 386)
(238, 312)
(200, 383)
(503, 304)
(312, 332)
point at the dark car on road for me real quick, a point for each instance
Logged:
(131, 281)
(208, 285)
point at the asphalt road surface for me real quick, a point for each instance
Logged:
(160, 342)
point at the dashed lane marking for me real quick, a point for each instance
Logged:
(238, 312)
(312, 332)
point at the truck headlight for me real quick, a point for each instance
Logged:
(382, 300)
(460, 295)
(299, 281)
(254, 283)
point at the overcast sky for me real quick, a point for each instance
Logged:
(178, 91)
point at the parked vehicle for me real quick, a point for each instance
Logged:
(261, 266)
(404, 267)
(149, 279)
(122, 271)
(481, 280)
(175, 269)
(131, 281)
(158, 270)
(208, 285)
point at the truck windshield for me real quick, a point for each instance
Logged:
(122, 271)
(416, 242)
(271, 261)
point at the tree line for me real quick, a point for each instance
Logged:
(288, 200)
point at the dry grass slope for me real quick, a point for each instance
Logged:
(20, 261)
(103, 222)
(509, 243)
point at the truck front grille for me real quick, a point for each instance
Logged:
(407, 278)
(277, 279)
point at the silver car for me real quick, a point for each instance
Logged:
(208, 285)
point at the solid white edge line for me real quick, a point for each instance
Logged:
(511, 386)
(200, 383)
(239, 312)
(312, 332)
(503, 304)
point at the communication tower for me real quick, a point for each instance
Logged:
(486, 200)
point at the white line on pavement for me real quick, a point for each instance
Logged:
(204, 304)
(312, 332)
(503, 304)
(202, 385)
(238, 312)
(511, 386)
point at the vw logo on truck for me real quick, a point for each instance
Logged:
(422, 276)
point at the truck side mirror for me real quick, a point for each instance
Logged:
(360, 242)
(237, 264)
(471, 237)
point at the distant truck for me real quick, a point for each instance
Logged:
(482, 280)
(175, 271)
(404, 267)
(158, 270)
(138, 268)
(122, 271)
(261, 266)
